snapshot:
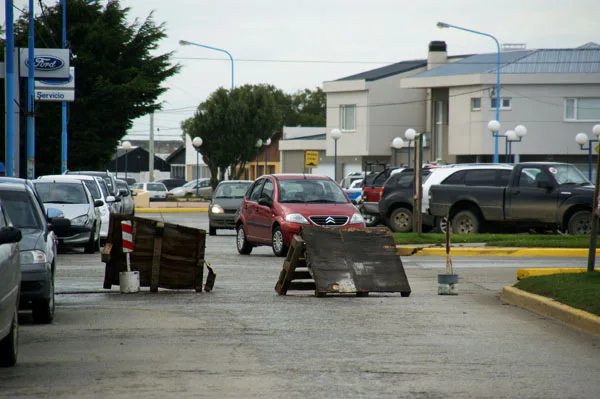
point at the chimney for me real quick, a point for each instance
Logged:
(438, 55)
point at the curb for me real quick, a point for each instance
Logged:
(583, 320)
(170, 210)
(491, 251)
(532, 272)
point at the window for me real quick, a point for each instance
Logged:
(483, 177)
(255, 190)
(505, 103)
(348, 117)
(582, 109)
(476, 104)
(456, 178)
(268, 189)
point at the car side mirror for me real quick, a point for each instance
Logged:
(53, 213)
(265, 201)
(546, 185)
(353, 202)
(110, 198)
(10, 234)
(98, 203)
(133, 193)
(123, 192)
(59, 223)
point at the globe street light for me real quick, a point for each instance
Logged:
(410, 135)
(126, 146)
(495, 133)
(335, 135)
(582, 139)
(514, 136)
(258, 144)
(197, 142)
(397, 143)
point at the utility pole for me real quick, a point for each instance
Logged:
(151, 150)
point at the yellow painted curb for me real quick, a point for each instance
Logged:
(531, 272)
(494, 251)
(590, 323)
(170, 210)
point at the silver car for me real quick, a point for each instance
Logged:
(158, 191)
(76, 202)
(225, 204)
(127, 202)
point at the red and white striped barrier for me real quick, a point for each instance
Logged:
(127, 233)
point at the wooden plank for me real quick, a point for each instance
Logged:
(155, 276)
(295, 252)
(199, 269)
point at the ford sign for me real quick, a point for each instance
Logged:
(46, 63)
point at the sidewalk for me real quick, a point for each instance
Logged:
(174, 206)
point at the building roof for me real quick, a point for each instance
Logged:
(386, 71)
(583, 59)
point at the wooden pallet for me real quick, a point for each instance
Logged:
(295, 274)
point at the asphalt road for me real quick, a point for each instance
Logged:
(244, 341)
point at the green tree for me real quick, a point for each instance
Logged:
(119, 78)
(230, 124)
(307, 108)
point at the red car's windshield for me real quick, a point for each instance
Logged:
(314, 191)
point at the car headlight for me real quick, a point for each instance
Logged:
(217, 209)
(79, 220)
(30, 257)
(296, 218)
(357, 218)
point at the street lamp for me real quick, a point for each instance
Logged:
(496, 134)
(186, 43)
(258, 144)
(335, 135)
(126, 146)
(410, 135)
(514, 136)
(266, 144)
(197, 142)
(397, 143)
(582, 139)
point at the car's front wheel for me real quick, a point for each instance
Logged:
(243, 246)
(279, 247)
(212, 231)
(10, 344)
(401, 220)
(43, 309)
(580, 223)
(90, 246)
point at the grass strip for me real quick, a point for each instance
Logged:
(498, 240)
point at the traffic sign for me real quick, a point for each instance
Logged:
(311, 159)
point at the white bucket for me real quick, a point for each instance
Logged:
(129, 282)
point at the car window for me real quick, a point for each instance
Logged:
(268, 189)
(323, 191)
(156, 187)
(456, 178)
(503, 177)
(480, 177)
(3, 222)
(138, 186)
(527, 177)
(93, 187)
(61, 193)
(103, 187)
(205, 183)
(231, 190)
(21, 209)
(122, 185)
(256, 190)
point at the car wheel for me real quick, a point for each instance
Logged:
(279, 247)
(243, 246)
(580, 223)
(465, 222)
(212, 231)
(371, 220)
(441, 224)
(43, 309)
(90, 246)
(9, 346)
(401, 220)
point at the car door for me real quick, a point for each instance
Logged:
(10, 275)
(250, 209)
(526, 201)
(264, 214)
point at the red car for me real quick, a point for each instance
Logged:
(276, 207)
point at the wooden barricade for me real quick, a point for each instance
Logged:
(343, 261)
(166, 255)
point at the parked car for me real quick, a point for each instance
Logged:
(98, 189)
(225, 204)
(76, 202)
(276, 206)
(172, 183)
(130, 180)
(157, 191)
(109, 178)
(37, 248)
(372, 189)
(189, 189)
(355, 190)
(546, 195)
(10, 282)
(126, 194)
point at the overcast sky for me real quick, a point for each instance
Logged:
(297, 44)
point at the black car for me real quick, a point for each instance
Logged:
(37, 248)
(172, 183)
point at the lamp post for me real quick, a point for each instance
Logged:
(335, 135)
(258, 144)
(266, 144)
(397, 143)
(197, 142)
(496, 134)
(410, 135)
(126, 146)
(187, 43)
(582, 139)
(514, 136)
